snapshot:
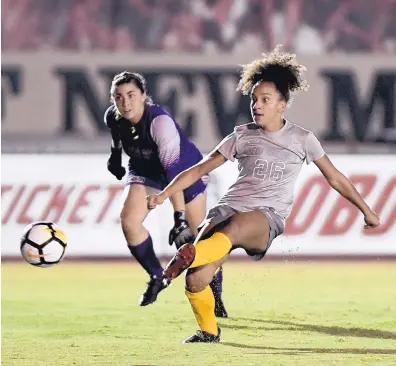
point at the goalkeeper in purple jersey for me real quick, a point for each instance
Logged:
(158, 150)
(270, 152)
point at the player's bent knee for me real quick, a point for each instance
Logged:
(195, 280)
(200, 277)
(130, 223)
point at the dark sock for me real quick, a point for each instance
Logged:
(145, 255)
(217, 284)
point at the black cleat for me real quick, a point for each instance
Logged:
(180, 261)
(220, 310)
(203, 337)
(155, 286)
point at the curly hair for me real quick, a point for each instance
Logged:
(276, 67)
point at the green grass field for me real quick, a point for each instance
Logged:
(281, 314)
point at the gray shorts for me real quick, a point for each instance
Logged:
(221, 215)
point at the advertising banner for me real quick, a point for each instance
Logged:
(351, 97)
(84, 199)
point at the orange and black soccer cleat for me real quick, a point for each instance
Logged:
(180, 261)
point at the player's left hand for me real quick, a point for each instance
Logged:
(181, 232)
(153, 200)
(372, 220)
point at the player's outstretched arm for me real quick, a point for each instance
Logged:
(343, 186)
(187, 178)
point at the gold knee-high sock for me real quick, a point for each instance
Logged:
(203, 305)
(211, 249)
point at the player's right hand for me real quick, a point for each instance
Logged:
(372, 220)
(154, 200)
(114, 163)
(117, 171)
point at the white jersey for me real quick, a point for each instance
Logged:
(268, 164)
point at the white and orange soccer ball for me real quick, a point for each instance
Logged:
(43, 244)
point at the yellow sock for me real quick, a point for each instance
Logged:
(211, 249)
(203, 305)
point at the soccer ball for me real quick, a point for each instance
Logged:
(43, 244)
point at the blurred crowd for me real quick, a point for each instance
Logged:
(311, 26)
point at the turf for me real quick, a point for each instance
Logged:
(282, 313)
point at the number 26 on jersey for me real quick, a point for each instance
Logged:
(263, 170)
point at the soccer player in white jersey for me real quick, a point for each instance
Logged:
(270, 152)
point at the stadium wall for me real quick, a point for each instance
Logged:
(78, 193)
(352, 97)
